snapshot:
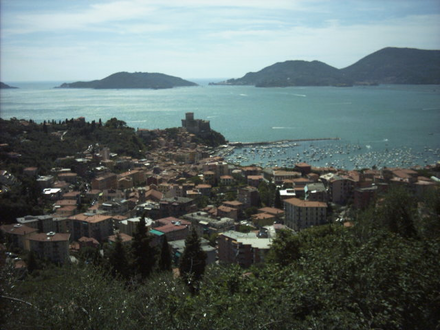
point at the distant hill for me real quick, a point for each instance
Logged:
(4, 86)
(386, 66)
(397, 66)
(122, 80)
(293, 73)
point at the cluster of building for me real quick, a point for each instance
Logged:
(166, 187)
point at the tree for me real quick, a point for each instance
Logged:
(144, 255)
(267, 193)
(32, 264)
(278, 202)
(285, 248)
(165, 256)
(397, 212)
(118, 260)
(116, 123)
(193, 261)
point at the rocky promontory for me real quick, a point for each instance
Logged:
(5, 86)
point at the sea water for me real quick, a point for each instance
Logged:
(385, 125)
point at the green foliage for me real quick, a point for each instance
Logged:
(118, 260)
(278, 203)
(251, 211)
(144, 255)
(32, 264)
(193, 261)
(244, 228)
(165, 260)
(115, 123)
(285, 248)
(397, 212)
(211, 139)
(267, 193)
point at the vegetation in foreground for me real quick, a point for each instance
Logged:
(381, 273)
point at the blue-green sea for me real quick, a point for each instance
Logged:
(385, 125)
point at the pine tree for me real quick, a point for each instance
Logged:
(32, 264)
(193, 261)
(118, 260)
(165, 256)
(144, 255)
(277, 202)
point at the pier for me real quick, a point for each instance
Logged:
(241, 144)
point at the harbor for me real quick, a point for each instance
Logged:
(326, 152)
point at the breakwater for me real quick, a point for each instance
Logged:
(242, 144)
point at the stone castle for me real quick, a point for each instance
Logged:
(196, 126)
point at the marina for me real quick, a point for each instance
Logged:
(326, 153)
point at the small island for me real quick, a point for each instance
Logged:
(127, 80)
(5, 86)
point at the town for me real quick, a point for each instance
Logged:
(107, 226)
(180, 184)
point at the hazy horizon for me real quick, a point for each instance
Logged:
(194, 39)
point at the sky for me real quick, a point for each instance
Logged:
(70, 40)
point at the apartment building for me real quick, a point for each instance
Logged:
(301, 214)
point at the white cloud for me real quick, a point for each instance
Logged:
(198, 38)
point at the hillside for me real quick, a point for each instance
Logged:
(386, 66)
(122, 80)
(397, 66)
(293, 73)
(5, 86)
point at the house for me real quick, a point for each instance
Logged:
(52, 246)
(364, 196)
(204, 189)
(30, 171)
(93, 225)
(287, 193)
(88, 242)
(254, 180)
(299, 185)
(153, 195)
(69, 177)
(315, 192)
(209, 177)
(267, 216)
(248, 196)
(173, 228)
(303, 168)
(340, 189)
(105, 181)
(226, 180)
(243, 249)
(279, 176)
(45, 181)
(175, 207)
(44, 223)
(234, 204)
(228, 212)
(17, 235)
(204, 223)
(263, 219)
(251, 170)
(129, 226)
(301, 214)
